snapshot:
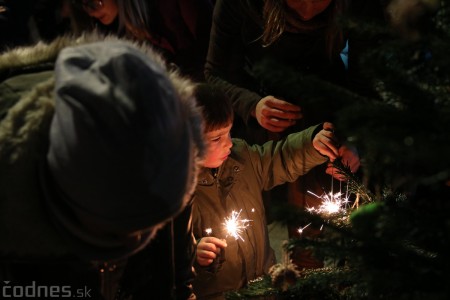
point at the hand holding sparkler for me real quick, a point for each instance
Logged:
(326, 142)
(208, 249)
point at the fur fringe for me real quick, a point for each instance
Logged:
(25, 123)
(34, 109)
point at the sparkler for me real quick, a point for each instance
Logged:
(332, 203)
(235, 225)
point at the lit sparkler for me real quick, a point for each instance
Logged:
(332, 203)
(235, 226)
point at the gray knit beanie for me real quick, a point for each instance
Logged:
(120, 161)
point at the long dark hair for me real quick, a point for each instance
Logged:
(141, 19)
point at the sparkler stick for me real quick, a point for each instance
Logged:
(300, 230)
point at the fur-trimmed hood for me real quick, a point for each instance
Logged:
(24, 137)
(44, 54)
(42, 57)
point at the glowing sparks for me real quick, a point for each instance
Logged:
(300, 230)
(332, 203)
(235, 226)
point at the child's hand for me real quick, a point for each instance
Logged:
(207, 250)
(326, 142)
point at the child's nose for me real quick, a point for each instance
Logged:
(228, 142)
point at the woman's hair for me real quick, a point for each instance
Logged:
(134, 17)
(141, 19)
(216, 107)
(80, 21)
(275, 22)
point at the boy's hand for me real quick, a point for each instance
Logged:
(326, 142)
(207, 250)
(276, 115)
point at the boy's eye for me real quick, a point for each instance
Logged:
(215, 139)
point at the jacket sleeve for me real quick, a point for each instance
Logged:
(184, 254)
(284, 161)
(197, 236)
(226, 57)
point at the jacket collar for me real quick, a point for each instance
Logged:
(225, 173)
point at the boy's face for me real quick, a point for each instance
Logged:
(218, 145)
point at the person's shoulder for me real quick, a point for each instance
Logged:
(241, 148)
(239, 143)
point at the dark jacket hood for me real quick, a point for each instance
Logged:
(120, 155)
(124, 143)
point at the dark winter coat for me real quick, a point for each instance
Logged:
(33, 245)
(240, 180)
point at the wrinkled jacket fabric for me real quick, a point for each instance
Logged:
(237, 187)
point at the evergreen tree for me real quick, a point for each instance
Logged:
(392, 242)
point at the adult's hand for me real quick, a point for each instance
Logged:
(276, 115)
(349, 157)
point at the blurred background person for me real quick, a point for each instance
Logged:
(179, 29)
